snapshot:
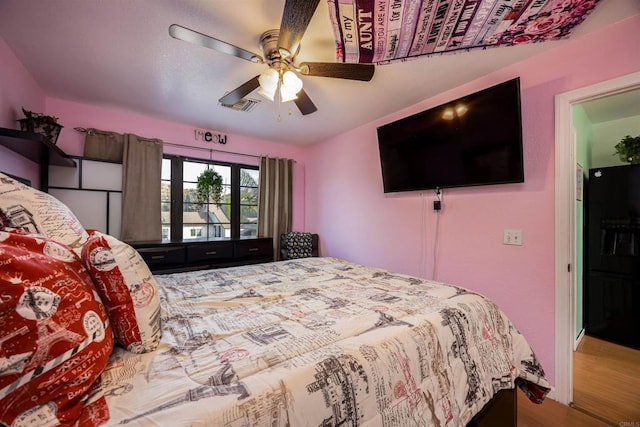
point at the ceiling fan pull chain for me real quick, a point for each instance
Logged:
(278, 96)
(278, 107)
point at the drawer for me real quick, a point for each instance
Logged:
(163, 255)
(253, 248)
(210, 252)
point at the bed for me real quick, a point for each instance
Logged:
(312, 341)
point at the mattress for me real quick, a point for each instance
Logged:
(322, 342)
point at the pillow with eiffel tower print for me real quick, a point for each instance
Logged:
(128, 290)
(55, 338)
(34, 211)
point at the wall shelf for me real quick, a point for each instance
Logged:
(34, 147)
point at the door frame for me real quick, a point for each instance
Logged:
(565, 219)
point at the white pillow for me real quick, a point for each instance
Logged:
(37, 212)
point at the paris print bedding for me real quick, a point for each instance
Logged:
(318, 342)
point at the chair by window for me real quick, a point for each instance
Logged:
(297, 244)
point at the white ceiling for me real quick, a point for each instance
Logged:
(613, 107)
(118, 53)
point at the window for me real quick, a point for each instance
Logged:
(183, 218)
(249, 201)
(165, 198)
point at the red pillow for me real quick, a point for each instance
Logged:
(128, 290)
(56, 339)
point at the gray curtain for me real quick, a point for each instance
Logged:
(275, 200)
(141, 173)
(103, 145)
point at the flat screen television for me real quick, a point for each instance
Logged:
(472, 140)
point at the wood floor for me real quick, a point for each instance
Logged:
(606, 380)
(606, 384)
(552, 414)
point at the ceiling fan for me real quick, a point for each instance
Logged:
(279, 49)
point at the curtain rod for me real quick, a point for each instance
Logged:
(210, 150)
(191, 147)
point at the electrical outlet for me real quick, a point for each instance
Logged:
(516, 237)
(512, 237)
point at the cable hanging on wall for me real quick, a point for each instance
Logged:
(422, 268)
(437, 206)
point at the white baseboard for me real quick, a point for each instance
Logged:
(577, 341)
(552, 394)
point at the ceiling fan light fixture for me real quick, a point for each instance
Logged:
(288, 82)
(266, 94)
(269, 83)
(286, 96)
(291, 81)
(291, 85)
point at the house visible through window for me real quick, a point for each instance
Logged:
(182, 218)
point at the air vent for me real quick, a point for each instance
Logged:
(245, 104)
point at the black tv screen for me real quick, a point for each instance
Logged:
(473, 140)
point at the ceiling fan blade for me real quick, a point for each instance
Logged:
(240, 92)
(339, 70)
(181, 33)
(295, 20)
(304, 103)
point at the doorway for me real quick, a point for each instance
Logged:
(606, 379)
(565, 223)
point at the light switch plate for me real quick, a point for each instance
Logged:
(512, 237)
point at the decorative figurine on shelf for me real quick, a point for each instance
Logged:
(46, 126)
(628, 149)
(209, 187)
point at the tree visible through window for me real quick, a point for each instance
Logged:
(235, 216)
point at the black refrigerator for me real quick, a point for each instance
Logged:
(612, 287)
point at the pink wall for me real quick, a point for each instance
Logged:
(357, 221)
(17, 89)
